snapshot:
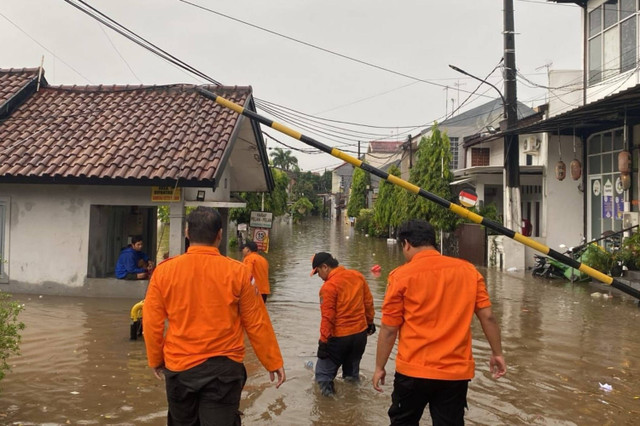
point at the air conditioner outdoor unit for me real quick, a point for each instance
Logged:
(531, 145)
(630, 219)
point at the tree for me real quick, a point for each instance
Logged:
(284, 160)
(310, 185)
(10, 329)
(386, 208)
(274, 202)
(431, 172)
(358, 197)
(301, 208)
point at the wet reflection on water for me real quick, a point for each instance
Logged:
(78, 366)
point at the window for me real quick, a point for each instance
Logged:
(453, 142)
(613, 39)
(479, 157)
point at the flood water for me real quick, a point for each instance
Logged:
(79, 367)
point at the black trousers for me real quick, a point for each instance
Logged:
(343, 351)
(207, 394)
(447, 400)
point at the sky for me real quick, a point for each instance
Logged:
(339, 71)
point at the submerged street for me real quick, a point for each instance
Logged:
(561, 343)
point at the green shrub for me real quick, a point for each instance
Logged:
(597, 258)
(629, 253)
(366, 223)
(10, 329)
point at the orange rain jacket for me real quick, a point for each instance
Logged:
(432, 300)
(208, 300)
(259, 268)
(346, 304)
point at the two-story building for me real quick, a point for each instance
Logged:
(597, 114)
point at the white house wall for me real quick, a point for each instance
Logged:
(49, 229)
(564, 199)
(567, 98)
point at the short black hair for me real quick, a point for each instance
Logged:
(203, 225)
(417, 232)
(323, 258)
(251, 245)
(135, 239)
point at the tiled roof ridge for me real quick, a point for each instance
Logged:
(140, 87)
(19, 70)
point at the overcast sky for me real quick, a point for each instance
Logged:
(386, 72)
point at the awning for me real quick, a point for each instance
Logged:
(461, 181)
(603, 114)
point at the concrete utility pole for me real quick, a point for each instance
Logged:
(511, 145)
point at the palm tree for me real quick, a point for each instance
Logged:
(283, 159)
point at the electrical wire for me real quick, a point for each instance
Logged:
(119, 54)
(331, 52)
(46, 48)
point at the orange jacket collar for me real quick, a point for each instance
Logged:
(203, 250)
(425, 253)
(335, 271)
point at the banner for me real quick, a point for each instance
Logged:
(166, 194)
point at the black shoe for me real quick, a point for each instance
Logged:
(327, 388)
(352, 379)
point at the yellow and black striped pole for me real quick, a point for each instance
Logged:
(459, 210)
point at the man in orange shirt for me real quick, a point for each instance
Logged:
(209, 301)
(430, 302)
(346, 305)
(259, 267)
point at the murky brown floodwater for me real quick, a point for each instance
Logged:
(78, 366)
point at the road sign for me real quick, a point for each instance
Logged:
(261, 220)
(261, 238)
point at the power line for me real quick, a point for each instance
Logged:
(331, 52)
(119, 54)
(45, 48)
(141, 41)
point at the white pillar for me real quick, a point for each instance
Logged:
(480, 191)
(176, 232)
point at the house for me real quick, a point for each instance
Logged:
(481, 120)
(83, 168)
(592, 122)
(340, 183)
(600, 115)
(477, 149)
(382, 155)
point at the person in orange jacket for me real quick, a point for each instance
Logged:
(209, 301)
(430, 302)
(346, 305)
(259, 267)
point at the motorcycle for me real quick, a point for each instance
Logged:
(547, 267)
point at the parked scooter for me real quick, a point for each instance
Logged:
(547, 267)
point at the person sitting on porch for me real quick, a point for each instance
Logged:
(133, 263)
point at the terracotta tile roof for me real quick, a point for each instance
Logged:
(13, 80)
(137, 134)
(384, 146)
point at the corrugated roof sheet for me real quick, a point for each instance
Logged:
(119, 132)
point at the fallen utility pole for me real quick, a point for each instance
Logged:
(455, 208)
